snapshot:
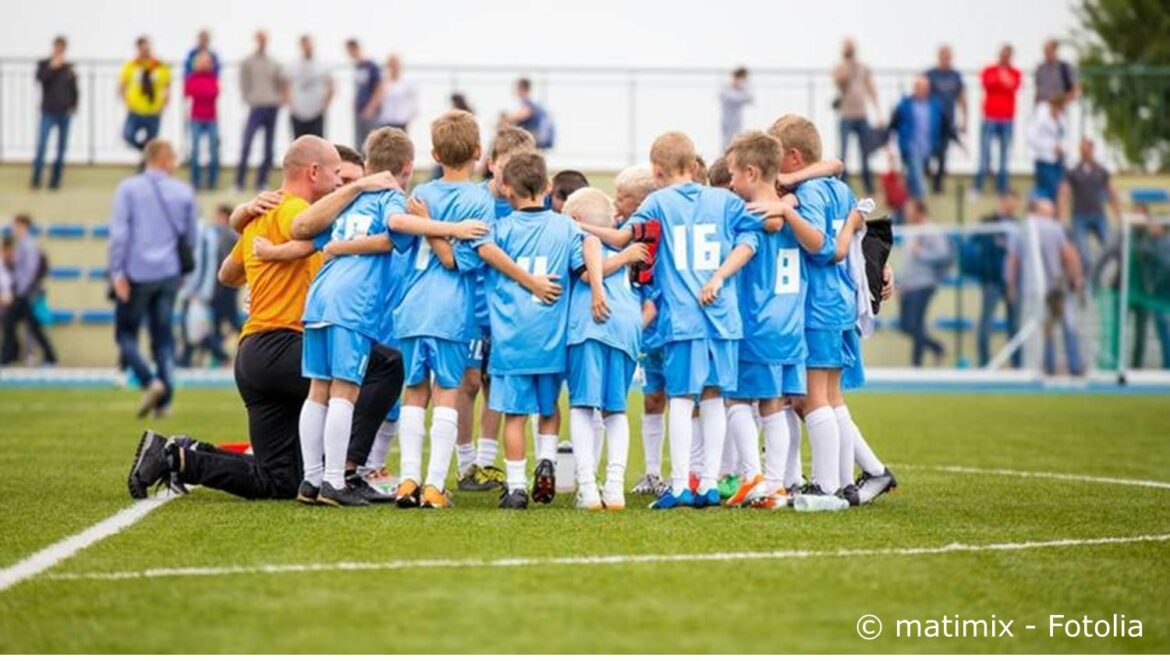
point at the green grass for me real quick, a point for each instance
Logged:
(64, 455)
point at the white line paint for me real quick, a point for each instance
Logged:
(501, 563)
(70, 546)
(1070, 477)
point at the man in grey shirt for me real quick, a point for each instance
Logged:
(309, 90)
(153, 212)
(732, 99)
(854, 83)
(27, 271)
(261, 86)
(1087, 186)
(1055, 77)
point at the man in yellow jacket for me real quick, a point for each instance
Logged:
(144, 86)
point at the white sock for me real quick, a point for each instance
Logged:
(825, 442)
(598, 438)
(581, 434)
(776, 443)
(845, 430)
(697, 454)
(617, 434)
(486, 454)
(793, 465)
(681, 430)
(743, 435)
(546, 445)
(517, 474)
(338, 425)
(383, 441)
(653, 433)
(728, 462)
(862, 453)
(465, 454)
(713, 418)
(312, 434)
(444, 431)
(412, 431)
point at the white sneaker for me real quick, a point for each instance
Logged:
(613, 497)
(588, 497)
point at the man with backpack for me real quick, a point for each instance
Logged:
(532, 117)
(1055, 78)
(982, 258)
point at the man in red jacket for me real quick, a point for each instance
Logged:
(1001, 83)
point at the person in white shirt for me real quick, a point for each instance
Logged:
(732, 99)
(1046, 139)
(399, 96)
(308, 91)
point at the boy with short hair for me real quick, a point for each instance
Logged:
(532, 248)
(564, 184)
(602, 360)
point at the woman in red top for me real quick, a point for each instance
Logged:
(202, 87)
(1001, 82)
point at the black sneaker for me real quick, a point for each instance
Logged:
(358, 484)
(850, 494)
(346, 497)
(307, 493)
(515, 499)
(869, 487)
(544, 483)
(152, 467)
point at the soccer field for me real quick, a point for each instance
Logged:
(1019, 506)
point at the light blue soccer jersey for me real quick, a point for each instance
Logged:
(623, 329)
(440, 302)
(700, 226)
(651, 336)
(528, 336)
(392, 292)
(503, 209)
(771, 301)
(831, 302)
(348, 291)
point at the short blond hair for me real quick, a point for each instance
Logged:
(455, 138)
(674, 153)
(388, 150)
(796, 132)
(590, 206)
(756, 149)
(637, 180)
(510, 140)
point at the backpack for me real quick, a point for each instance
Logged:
(546, 130)
(981, 258)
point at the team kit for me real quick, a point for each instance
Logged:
(740, 294)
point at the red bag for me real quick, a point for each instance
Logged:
(894, 188)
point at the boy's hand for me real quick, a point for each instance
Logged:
(417, 207)
(546, 288)
(636, 252)
(263, 248)
(264, 202)
(378, 181)
(773, 224)
(600, 306)
(470, 229)
(710, 291)
(769, 208)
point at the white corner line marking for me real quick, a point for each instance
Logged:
(1068, 477)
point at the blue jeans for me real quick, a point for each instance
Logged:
(1082, 226)
(210, 131)
(1048, 177)
(153, 302)
(1002, 131)
(915, 167)
(49, 121)
(136, 125)
(913, 306)
(259, 117)
(993, 293)
(1072, 338)
(858, 127)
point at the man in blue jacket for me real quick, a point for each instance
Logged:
(918, 122)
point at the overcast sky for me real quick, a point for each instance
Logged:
(761, 33)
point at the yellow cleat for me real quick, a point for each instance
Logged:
(434, 498)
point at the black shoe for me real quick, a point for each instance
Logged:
(869, 487)
(152, 466)
(849, 493)
(359, 485)
(544, 483)
(516, 499)
(346, 497)
(307, 493)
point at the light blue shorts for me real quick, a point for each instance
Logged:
(832, 350)
(654, 379)
(692, 365)
(770, 380)
(599, 376)
(332, 352)
(477, 352)
(525, 394)
(422, 356)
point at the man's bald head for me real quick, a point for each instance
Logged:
(311, 167)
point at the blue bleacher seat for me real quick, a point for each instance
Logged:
(100, 232)
(97, 273)
(62, 316)
(65, 273)
(1150, 196)
(98, 316)
(6, 231)
(954, 323)
(66, 231)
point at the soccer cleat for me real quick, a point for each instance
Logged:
(669, 501)
(380, 479)
(729, 486)
(612, 498)
(478, 479)
(544, 482)
(344, 497)
(693, 482)
(408, 494)
(515, 499)
(849, 494)
(869, 487)
(649, 485)
(495, 473)
(150, 399)
(747, 493)
(588, 497)
(367, 491)
(434, 498)
(152, 466)
(708, 498)
(777, 500)
(307, 493)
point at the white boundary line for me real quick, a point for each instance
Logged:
(1068, 477)
(501, 563)
(70, 546)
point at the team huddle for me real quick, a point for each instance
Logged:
(743, 301)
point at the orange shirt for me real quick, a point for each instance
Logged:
(278, 289)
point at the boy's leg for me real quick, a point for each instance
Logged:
(698, 452)
(338, 426)
(823, 435)
(515, 459)
(447, 359)
(586, 382)
(794, 463)
(412, 428)
(713, 419)
(598, 437)
(845, 437)
(312, 431)
(469, 388)
(776, 445)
